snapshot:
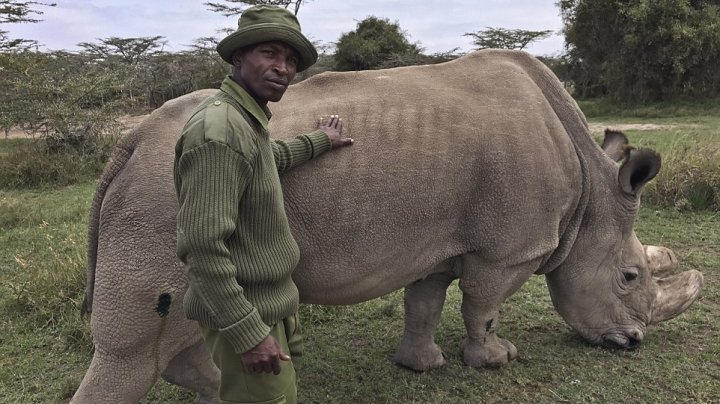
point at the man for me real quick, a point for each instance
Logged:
(233, 234)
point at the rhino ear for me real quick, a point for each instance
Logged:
(615, 144)
(639, 167)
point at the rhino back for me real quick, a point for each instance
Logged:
(464, 156)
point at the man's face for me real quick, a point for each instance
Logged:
(265, 70)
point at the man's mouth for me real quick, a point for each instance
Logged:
(278, 83)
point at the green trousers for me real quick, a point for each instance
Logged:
(238, 385)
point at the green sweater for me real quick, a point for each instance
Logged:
(233, 235)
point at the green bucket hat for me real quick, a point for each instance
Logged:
(268, 23)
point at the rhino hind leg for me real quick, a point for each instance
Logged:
(193, 369)
(482, 297)
(424, 301)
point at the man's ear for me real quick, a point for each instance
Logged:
(237, 58)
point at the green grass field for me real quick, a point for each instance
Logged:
(45, 346)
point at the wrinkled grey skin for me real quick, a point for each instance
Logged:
(481, 169)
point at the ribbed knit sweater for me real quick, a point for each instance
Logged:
(233, 236)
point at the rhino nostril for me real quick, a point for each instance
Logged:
(635, 338)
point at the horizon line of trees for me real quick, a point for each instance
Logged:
(629, 51)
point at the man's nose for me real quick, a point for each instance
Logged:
(282, 67)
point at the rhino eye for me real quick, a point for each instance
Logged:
(630, 274)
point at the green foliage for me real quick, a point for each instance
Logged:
(689, 179)
(32, 164)
(376, 43)
(686, 136)
(68, 99)
(130, 51)
(559, 66)
(643, 50)
(503, 38)
(685, 107)
(71, 102)
(169, 75)
(149, 76)
(324, 63)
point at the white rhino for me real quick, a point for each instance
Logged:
(481, 169)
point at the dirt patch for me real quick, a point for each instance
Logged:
(599, 127)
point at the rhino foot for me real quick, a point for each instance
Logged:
(419, 357)
(490, 353)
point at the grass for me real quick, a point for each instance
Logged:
(690, 150)
(45, 347)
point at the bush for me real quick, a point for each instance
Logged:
(54, 162)
(373, 45)
(689, 180)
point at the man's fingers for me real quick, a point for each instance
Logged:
(275, 365)
(333, 121)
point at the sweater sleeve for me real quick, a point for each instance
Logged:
(213, 178)
(293, 152)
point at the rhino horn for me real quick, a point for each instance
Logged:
(675, 294)
(661, 261)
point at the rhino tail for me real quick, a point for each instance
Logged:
(121, 154)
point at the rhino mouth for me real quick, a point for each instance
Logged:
(631, 340)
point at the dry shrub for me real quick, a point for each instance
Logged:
(689, 180)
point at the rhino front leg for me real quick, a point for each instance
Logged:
(424, 301)
(484, 288)
(116, 380)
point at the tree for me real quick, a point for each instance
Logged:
(19, 11)
(238, 6)
(12, 11)
(69, 99)
(503, 38)
(643, 50)
(128, 50)
(375, 43)
(127, 57)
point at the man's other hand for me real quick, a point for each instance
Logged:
(265, 357)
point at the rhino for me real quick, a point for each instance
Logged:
(481, 169)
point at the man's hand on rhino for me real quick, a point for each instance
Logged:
(332, 126)
(265, 357)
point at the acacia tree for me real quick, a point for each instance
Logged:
(128, 50)
(643, 50)
(503, 38)
(12, 11)
(129, 58)
(235, 7)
